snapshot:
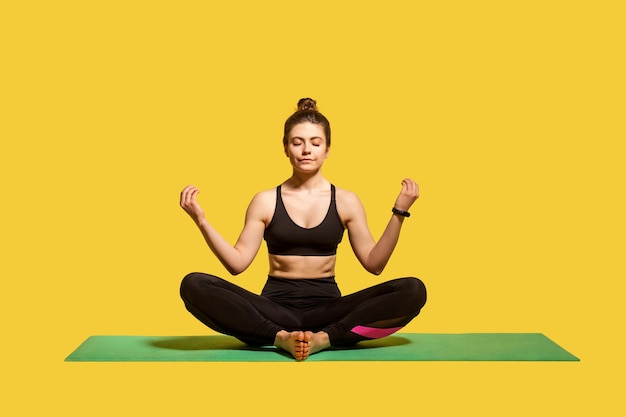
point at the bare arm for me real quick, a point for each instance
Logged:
(371, 254)
(235, 258)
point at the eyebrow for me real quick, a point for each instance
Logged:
(301, 138)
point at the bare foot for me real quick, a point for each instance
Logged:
(317, 341)
(296, 343)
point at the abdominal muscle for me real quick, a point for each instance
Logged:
(295, 267)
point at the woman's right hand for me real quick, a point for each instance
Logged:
(189, 203)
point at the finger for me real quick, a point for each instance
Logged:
(411, 186)
(406, 185)
(188, 195)
(194, 197)
(185, 191)
(183, 196)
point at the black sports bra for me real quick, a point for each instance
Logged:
(285, 237)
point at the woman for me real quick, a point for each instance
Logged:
(300, 309)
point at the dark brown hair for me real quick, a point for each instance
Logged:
(307, 112)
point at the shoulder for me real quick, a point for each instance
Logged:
(344, 196)
(265, 196)
(262, 205)
(348, 204)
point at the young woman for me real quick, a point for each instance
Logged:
(300, 309)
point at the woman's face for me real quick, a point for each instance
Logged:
(306, 146)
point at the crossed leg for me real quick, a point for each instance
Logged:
(256, 320)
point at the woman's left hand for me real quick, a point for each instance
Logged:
(409, 193)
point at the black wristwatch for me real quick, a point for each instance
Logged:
(401, 212)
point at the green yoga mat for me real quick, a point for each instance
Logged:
(399, 347)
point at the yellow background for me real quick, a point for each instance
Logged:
(510, 115)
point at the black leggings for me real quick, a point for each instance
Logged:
(302, 305)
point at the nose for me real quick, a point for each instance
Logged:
(306, 147)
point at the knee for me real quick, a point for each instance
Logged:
(415, 289)
(191, 284)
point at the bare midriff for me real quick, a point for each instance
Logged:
(295, 266)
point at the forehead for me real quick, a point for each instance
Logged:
(307, 130)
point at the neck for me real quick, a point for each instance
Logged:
(307, 181)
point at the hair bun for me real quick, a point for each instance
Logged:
(307, 104)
